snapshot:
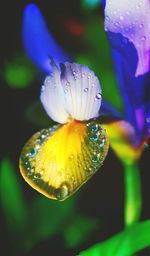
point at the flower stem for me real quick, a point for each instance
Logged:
(133, 200)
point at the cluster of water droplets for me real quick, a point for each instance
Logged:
(98, 96)
(98, 146)
(30, 151)
(126, 23)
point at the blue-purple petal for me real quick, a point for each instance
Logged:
(38, 42)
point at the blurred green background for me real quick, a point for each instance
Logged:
(32, 224)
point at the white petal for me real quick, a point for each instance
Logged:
(72, 92)
(52, 97)
(131, 18)
(82, 92)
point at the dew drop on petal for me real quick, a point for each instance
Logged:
(32, 153)
(62, 192)
(47, 80)
(143, 38)
(42, 88)
(98, 96)
(68, 84)
(102, 143)
(121, 17)
(66, 90)
(141, 25)
(86, 90)
(95, 158)
(116, 24)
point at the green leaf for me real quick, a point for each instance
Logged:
(79, 230)
(12, 199)
(49, 217)
(126, 243)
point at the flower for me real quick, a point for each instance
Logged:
(130, 43)
(58, 160)
(127, 27)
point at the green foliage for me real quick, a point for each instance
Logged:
(79, 230)
(126, 243)
(133, 200)
(90, 4)
(12, 199)
(49, 217)
(19, 72)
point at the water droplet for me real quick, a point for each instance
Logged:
(43, 136)
(37, 146)
(121, 17)
(93, 85)
(98, 96)
(143, 38)
(90, 171)
(66, 90)
(62, 192)
(41, 172)
(107, 17)
(32, 153)
(68, 84)
(83, 74)
(106, 29)
(95, 158)
(86, 90)
(94, 128)
(42, 88)
(47, 80)
(37, 177)
(116, 24)
(71, 157)
(52, 129)
(31, 173)
(102, 143)
(94, 137)
(89, 76)
(27, 165)
(141, 25)
(74, 73)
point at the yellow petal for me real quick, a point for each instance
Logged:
(57, 161)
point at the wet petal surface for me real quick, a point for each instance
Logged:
(59, 160)
(132, 20)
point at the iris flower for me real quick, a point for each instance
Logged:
(58, 160)
(127, 26)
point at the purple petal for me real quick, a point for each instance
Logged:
(38, 42)
(132, 20)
